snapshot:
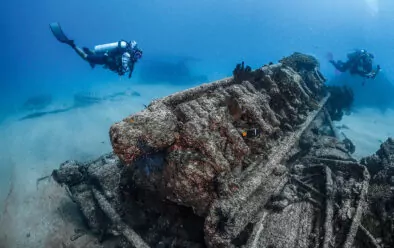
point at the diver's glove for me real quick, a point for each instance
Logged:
(137, 54)
(378, 69)
(373, 74)
(376, 72)
(370, 75)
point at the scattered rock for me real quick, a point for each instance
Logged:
(343, 126)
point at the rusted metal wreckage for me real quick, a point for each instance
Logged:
(183, 175)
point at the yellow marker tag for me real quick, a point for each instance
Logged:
(244, 134)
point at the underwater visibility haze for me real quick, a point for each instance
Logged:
(55, 106)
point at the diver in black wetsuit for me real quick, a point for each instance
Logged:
(119, 57)
(359, 62)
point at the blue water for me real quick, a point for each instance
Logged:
(218, 34)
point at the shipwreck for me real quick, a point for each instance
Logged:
(253, 160)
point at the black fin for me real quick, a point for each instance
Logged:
(71, 43)
(58, 33)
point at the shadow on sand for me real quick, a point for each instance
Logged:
(170, 69)
(81, 100)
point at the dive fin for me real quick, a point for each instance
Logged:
(58, 33)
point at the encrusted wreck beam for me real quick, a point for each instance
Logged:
(356, 221)
(126, 231)
(366, 238)
(329, 213)
(307, 187)
(334, 164)
(331, 124)
(253, 193)
(258, 228)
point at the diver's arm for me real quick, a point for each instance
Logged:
(134, 60)
(373, 73)
(136, 55)
(124, 67)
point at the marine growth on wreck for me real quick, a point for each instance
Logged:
(253, 160)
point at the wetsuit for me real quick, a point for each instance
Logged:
(121, 60)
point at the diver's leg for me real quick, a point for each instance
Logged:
(339, 65)
(80, 52)
(89, 56)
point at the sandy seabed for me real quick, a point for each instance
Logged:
(41, 215)
(367, 128)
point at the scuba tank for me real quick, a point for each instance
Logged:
(109, 47)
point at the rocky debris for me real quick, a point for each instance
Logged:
(185, 172)
(379, 217)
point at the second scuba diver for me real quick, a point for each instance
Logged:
(359, 62)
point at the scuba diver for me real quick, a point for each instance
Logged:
(359, 62)
(119, 57)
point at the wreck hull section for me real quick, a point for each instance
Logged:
(186, 173)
